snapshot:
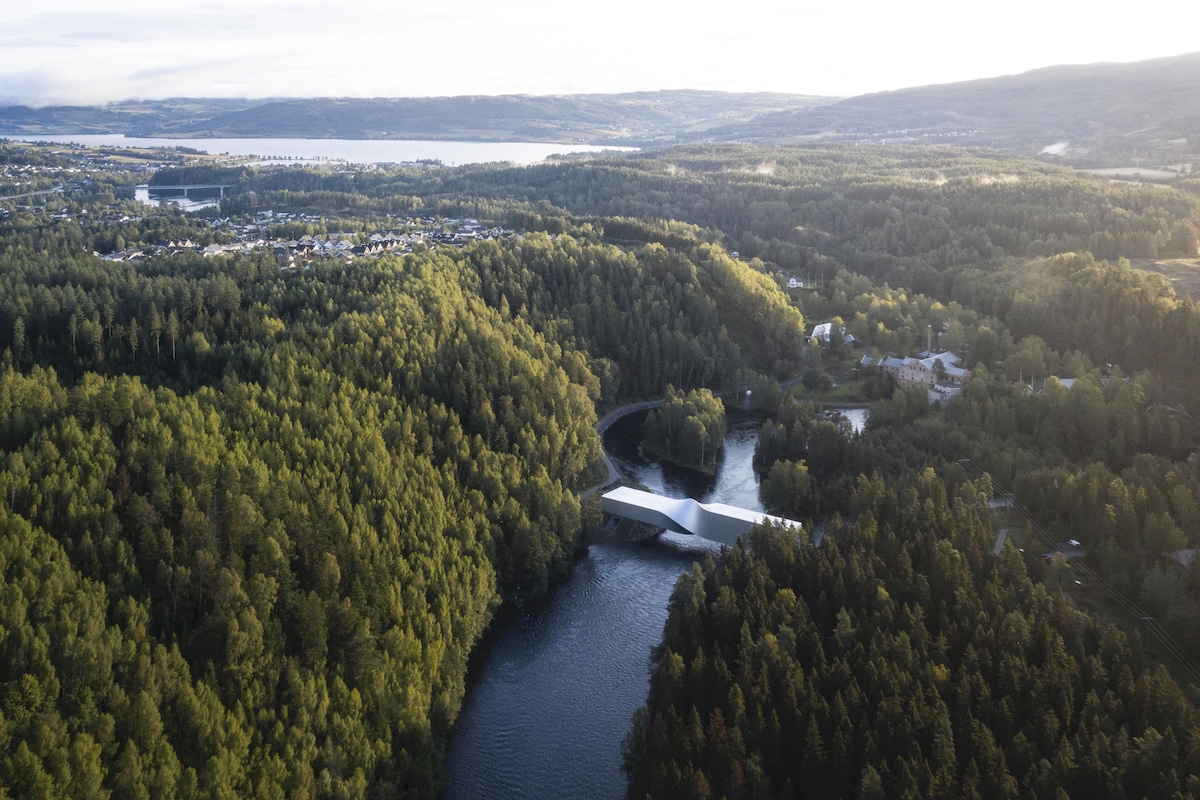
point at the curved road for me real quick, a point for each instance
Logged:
(603, 425)
(623, 411)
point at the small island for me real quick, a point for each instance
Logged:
(688, 430)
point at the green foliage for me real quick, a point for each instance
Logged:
(810, 464)
(256, 520)
(286, 507)
(688, 430)
(898, 659)
(200, 174)
(912, 216)
(649, 318)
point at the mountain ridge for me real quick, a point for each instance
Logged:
(636, 116)
(1094, 106)
(1100, 113)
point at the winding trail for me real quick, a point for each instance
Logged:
(606, 422)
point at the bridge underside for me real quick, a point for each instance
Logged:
(714, 521)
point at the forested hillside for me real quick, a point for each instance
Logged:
(913, 216)
(282, 558)
(257, 518)
(900, 659)
(1106, 111)
(630, 118)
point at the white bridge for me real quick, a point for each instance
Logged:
(185, 188)
(714, 521)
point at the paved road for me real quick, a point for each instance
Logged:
(55, 190)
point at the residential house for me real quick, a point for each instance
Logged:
(825, 330)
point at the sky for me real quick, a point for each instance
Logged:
(88, 52)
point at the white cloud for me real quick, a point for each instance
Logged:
(260, 48)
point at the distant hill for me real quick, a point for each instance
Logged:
(636, 118)
(1091, 115)
(133, 119)
(1147, 109)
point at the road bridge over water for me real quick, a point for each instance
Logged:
(624, 411)
(185, 188)
(714, 521)
(611, 473)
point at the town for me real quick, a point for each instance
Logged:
(295, 253)
(107, 178)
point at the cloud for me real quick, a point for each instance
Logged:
(258, 48)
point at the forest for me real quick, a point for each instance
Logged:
(688, 430)
(258, 519)
(900, 659)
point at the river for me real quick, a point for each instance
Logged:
(552, 693)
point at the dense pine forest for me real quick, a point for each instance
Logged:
(901, 659)
(257, 518)
(688, 430)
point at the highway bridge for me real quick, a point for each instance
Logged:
(185, 188)
(56, 190)
(716, 522)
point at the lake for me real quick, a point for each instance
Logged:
(354, 151)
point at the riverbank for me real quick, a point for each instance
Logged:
(552, 689)
(834, 403)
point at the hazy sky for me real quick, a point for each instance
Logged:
(72, 51)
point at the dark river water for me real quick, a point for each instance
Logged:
(552, 693)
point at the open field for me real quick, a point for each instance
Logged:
(1184, 273)
(1145, 173)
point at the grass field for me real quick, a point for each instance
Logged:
(1145, 173)
(1183, 273)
